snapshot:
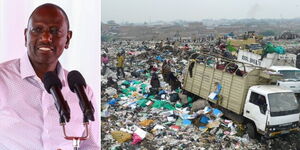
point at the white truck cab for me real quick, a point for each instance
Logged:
(291, 77)
(281, 63)
(273, 110)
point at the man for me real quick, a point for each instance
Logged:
(120, 64)
(166, 69)
(104, 59)
(29, 119)
(173, 81)
(155, 83)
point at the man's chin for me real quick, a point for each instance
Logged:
(45, 61)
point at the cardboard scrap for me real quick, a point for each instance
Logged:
(146, 123)
(121, 136)
(213, 124)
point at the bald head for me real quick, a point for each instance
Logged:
(50, 7)
(46, 36)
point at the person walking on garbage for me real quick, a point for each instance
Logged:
(166, 69)
(131, 60)
(173, 81)
(120, 64)
(155, 83)
(104, 62)
(104, 59)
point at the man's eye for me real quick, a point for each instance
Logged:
(54, 31)
(36, 30)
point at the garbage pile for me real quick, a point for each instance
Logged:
(291, 46)
(134, 115)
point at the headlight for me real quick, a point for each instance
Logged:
(295, 125)
(272, 129)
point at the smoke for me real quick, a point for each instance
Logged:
(254, 11)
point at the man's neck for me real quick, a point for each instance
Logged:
(41, 69)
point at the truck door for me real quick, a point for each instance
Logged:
(255, 109)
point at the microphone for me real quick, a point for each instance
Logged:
(77, 84)
(53, 86)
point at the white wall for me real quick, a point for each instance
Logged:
(83, 53)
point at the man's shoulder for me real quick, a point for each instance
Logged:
(8, 69)
(9, 65)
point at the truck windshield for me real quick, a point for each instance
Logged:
(290, 74)
(283, 104)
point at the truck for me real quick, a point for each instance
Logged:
(281, 63)
(250, 98)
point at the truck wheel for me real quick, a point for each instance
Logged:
(251, 130)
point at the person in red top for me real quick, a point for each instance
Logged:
(104, 59)
(186, 47)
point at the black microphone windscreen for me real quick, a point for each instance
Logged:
(75, 77)
(50, 80)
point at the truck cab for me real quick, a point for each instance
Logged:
(271, 110)
(291, 77)
(281, 63)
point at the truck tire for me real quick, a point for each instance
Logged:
(251, 130)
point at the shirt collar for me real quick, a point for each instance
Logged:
(61, 74)
(26, 69)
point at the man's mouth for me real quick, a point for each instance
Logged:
(44, 49)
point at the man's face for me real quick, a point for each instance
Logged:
(46, 35)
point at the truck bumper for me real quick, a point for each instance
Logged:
(282, 132)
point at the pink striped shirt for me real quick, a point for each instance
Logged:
(29, 119)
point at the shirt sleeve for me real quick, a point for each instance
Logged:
(93, 142)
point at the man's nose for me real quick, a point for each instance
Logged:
(46, 37)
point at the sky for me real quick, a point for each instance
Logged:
(139, 11)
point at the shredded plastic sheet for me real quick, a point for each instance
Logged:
(163, 104)
(142, 102)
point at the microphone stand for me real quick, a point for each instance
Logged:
(76, 140)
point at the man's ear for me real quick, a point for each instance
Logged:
(25, 32)
(69, 36)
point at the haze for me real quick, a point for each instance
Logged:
(139, 11)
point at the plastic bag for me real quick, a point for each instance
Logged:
(142, 102)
